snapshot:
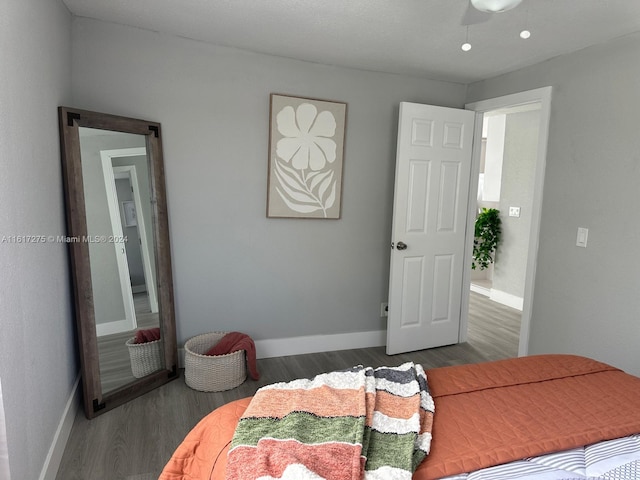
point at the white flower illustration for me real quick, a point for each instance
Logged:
(307, 141)
(305, 193)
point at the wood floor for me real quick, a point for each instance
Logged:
(115, 364)
(134, 441)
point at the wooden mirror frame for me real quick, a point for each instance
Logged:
(70, 119)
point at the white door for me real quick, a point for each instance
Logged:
(433, 167)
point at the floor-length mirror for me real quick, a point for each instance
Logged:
(119, 244)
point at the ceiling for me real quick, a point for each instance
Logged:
(415, 37)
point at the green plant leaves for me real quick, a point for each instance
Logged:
(488, 230)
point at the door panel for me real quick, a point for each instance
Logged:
(419, 193)
(449, 194)
(433, 168)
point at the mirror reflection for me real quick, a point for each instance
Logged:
(115, 175)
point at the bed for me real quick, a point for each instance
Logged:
(536, 417)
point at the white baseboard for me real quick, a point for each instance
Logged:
(281, 347)
(481, 290)
(110, 328)
(507, 299)
(54, 457)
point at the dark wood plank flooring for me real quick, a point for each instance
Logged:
(134, 441)
(115, 364)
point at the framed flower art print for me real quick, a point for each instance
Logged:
(306, 154)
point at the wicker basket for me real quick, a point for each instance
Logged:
(145, 357)
(212, 373)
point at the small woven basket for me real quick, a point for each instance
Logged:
(145, 357)
(212, 373)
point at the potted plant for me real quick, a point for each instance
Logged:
(486, 238)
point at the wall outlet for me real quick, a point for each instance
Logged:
(514, 211)
(384, 309)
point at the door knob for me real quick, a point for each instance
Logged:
(401, 246)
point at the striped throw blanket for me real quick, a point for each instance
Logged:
(344, 425)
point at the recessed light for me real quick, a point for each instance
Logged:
(466, 46)
(525, 34)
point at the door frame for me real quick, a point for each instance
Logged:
(129, 322)
(543, 96)
(110, 173)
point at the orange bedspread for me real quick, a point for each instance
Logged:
(486, 414)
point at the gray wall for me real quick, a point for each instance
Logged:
(234, 269)
(586, 300)
(518, 171)
(37, 361)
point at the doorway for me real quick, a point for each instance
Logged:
(506, 183)
(515, 286)
(134, 228)
(125, 175)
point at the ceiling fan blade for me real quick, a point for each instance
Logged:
(473, 16)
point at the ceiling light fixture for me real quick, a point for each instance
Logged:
(525, 33)
(495, 6)
(466, 46)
